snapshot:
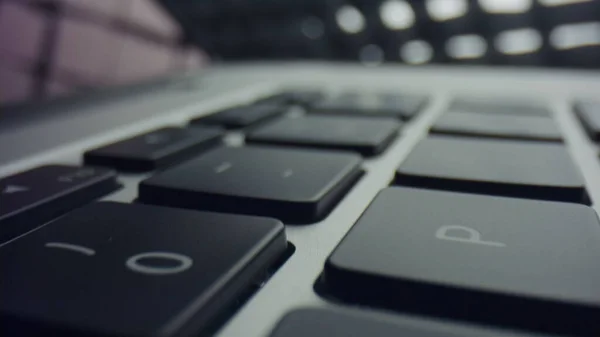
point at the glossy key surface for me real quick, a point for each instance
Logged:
(372, 105)
(293, 185)
(346, 323)
(242, 116)
(589, 115)
(113, 269)
(30, 198)
(367, 136)
(512, 262)
(501, 126)
(495, 167)
(154, 150)
(498, 106)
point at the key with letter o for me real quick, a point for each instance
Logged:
(112, 269)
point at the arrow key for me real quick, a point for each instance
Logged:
(31, 198)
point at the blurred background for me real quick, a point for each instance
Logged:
(55, 48)
(50, 48)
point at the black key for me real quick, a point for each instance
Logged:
(498, 107)
(298, 186)
(500, 126)
(589, 114)
(293, 97)
(243, 116)
(326, 323)
(367, 136)
(304, 97)
(524, 263)
(154, 150)
(383, 105)
(403, 106)
(280, 98)
(34, 197)
(113, 269)
(508, 168)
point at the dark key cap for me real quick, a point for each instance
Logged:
(589, 114)
(280, 98)
(293, 97)
(525, 263)
(112, 269)
(34, 197)
(346, 323)
(367, 136)
(508, 168)
(403, 106)
(498, 107)
(304, 97)
(243, 116)
(154, 150)
(383, 105)
(500, 126)
(292, 185)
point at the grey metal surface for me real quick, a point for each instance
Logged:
(64, 139)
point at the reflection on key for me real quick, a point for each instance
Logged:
(223, 167)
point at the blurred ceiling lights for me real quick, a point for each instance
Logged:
(575, 35)
(416, 52)
(518, 41)
(350, 19)
(397, 14)
(468, 46)
(442, 10)
(550, 3)
(505, 6)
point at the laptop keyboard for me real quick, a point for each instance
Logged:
(483, 230)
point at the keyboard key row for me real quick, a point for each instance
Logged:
(303, 186)
(165, 147)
